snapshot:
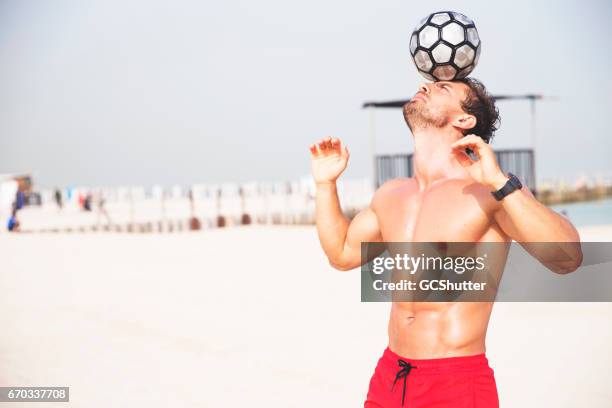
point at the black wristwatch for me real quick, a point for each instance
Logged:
(511, 185)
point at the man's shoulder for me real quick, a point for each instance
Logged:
(395, 183)
(392, 185)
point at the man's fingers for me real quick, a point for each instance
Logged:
(336, 145)
(464, 145)
(327, 145)
(463, 142)
(464, 159)
(468, 141)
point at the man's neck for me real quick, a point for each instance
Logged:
(433, 159)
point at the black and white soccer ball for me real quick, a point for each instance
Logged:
(445, 46)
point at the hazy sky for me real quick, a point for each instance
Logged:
(144, 92)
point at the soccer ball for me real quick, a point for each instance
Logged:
(445, 46)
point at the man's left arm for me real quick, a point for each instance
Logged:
(520, 215)
(548, 236)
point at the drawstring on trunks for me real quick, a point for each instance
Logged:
(403, 372)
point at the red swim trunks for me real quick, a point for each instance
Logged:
(457, 382)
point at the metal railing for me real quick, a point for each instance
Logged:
(517, 161)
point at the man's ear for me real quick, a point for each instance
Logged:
(465, 121)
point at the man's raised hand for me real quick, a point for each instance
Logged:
(486, 170)
(329, 159)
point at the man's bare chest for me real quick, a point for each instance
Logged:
(451, 211)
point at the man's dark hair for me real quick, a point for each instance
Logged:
(482, 105)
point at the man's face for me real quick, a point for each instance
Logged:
(435, 104)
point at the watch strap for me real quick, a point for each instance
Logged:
(511, 185)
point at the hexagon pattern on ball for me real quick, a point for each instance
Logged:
(445, 45)
(422, 60)
(428, 36)
(413, 43)
(462, 18)
(472, 36)
(440, 18)
(444, 73)
(442, 53)
(453, 33)
(464, 56)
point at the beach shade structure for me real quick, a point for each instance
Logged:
(520, 162)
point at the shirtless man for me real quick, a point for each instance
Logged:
(436, 351)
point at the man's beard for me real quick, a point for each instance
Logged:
(419, 116)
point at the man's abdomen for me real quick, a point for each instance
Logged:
(436, 330)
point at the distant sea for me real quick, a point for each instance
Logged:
(588, 213)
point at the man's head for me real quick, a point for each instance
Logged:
(463, 104)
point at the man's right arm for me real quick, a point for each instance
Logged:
(340, 238)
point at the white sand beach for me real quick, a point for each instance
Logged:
(248, 316)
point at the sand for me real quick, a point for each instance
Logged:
(249, 316)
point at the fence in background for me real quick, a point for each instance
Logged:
(517, 161)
